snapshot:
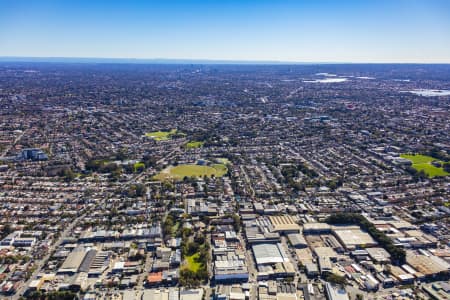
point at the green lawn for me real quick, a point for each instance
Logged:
(423, 162)
(224, 161)
(192, 263)
(161, 135)
(191, 170)
(220, 168)
(138, 165)
(418, 158)
(194, 144)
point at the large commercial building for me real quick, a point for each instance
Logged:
(160, 294)
(284, 224)
(33, 154)
(73, 261)
(379, 255)
(260, 231)
(316, 228)
(352, 237)
(427, 265)
(230, 270)
(272, 261)
(297, 240)
(269, 254)
(334, 293)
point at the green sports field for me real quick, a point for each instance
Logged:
(138, 165)
(161, 135)
(423, 162)
(194, 144)
(191, 170)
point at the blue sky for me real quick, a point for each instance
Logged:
(297, 30)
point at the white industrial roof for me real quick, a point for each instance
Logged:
(267, 253)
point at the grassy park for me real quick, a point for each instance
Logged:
(161, 135)
(191, 170)
(193, 262)
(138, 166)
(194, 144)
(424, 163)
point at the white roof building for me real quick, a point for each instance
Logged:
(269, 254)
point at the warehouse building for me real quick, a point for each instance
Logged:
(352, 237)
(284, 224)
(297, 240)
(325, 265)
(160, 294)
(260, 231)
(379, 255)
(316, 228)
(334, 293)
(230, 270)
(269, 254)
(194, 294)
(73, 261)
(272, 261)
(326, 252)
(429, 266)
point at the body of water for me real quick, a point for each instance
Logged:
(327, 80)
(429, 92)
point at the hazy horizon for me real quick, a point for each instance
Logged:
(125, 60)
(349, 31)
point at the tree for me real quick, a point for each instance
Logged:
(61, 295)
(55, 295)
(93, 164)
(237, 222)
(122, 154)
(167, 226)
(192, 248)
(199, 238)
(202, 274)
(135, 190)
(447, 167)
(188, 278)
(68, 174)
(5, 231)
(336, 279)
(398, 255)
(140, 189)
